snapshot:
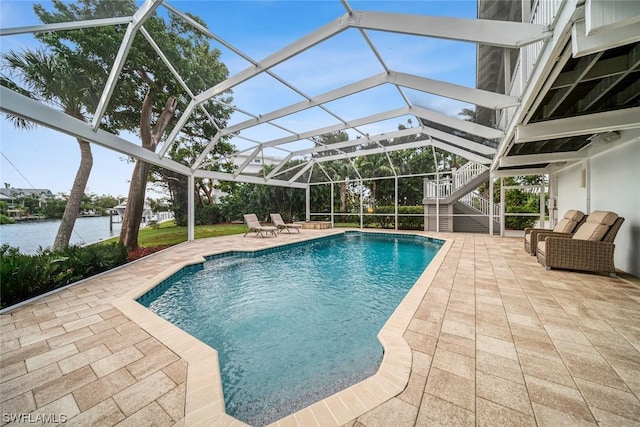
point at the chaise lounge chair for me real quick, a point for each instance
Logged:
(591, 248)
(254, 225)
(569, 223)
(277, 220)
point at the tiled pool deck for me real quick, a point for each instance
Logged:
(493, 339)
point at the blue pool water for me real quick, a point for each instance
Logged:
(296, 324)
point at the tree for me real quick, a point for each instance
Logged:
(147, 95)
(374, 165)
(55, 79)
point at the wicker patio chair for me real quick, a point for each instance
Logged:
(590, 248)
(569, 223)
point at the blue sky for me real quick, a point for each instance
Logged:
(47, 159)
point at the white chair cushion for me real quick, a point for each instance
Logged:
(541, 247)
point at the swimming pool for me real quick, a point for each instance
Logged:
(297, 323)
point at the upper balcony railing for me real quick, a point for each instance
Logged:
(542, 12)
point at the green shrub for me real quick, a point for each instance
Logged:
(404, 222)
(6, 220)
(26, 276)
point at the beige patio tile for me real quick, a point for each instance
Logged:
(102, 389)
(439, 412)
(35, 320)
(116, 361)
(496, 346)
(105, 413)
(140, 394)
(29, 381)
(21, 404)
(44, 359)
(618, 402)
(173, 402)
(552, 417)
(499, 366)
(109, 324)
(425, 327)
(452, 388)
(549, 369)
(9, 345)
(64, 406)
(607, 419)
(151, 363)
(108, 314)
(454, 363)
(558, 397)
(19, 333)
(491, 414)
(126, 340)
(421, 363)
(457, 344)
(63, 385)
(492, 330)
(420, 342)
(9, 372)
(96, 340)
(41, 336)
(503, 392)
(150, 415)
(82, 359)
(10, 357)
(567, 333)
(392, 412)
(177, 371)
(412, 394)
(591, 366)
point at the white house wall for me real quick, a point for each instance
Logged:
(612, 184)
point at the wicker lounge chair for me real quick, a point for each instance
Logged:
(569, 223)
(254, 225)
(590, 248)
(277, 220)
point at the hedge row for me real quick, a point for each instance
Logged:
(26, 276)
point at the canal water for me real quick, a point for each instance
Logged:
(29, 236)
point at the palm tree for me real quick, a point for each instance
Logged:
(53, 80)
(372, 166)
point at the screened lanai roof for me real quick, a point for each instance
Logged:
(297, 106)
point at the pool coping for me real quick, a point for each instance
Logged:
(204, 400)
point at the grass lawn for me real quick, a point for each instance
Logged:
(169, 234)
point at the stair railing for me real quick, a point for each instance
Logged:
(466, 173)
(460, 177)
(437, 189)
(480, 204)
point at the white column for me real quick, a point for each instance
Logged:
(502, 207)
(331, 204)
(542, 222)
(191, 208)
(308, 203)
(361, 204)
(438, 202)
(396, 211)
(553, 203)
(491, 203)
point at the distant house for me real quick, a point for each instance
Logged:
(10, 194)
